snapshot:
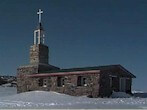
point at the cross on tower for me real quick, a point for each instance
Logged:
(39, 32)
(39, 14)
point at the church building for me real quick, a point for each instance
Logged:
(97, 81)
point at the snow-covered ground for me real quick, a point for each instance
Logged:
(50, 100)
(7, 91)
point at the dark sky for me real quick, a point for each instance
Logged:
(79, 33)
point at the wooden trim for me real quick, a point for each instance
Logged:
(64, 73)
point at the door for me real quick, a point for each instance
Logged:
(122, 84)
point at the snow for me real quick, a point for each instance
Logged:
(120, 95)
(137, 91)
(53, 100)
(7, 91)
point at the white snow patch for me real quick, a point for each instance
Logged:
(137, 91)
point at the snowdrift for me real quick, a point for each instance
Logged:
(120, 95)
(53, 100)
(140, 94)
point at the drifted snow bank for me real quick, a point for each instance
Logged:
(120, 95)
(53, 100)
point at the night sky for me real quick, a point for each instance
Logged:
(79, 33)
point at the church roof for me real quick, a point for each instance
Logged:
(84, 68)
(111, 69)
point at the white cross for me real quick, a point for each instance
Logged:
(39, 13)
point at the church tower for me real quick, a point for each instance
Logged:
(39, 51)
(38, 60)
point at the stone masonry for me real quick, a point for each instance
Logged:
(39, 54)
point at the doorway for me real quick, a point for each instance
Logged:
(122, 84)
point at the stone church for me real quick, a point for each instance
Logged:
(97, 81)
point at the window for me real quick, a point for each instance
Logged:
(81, 81)
(45, 83)
(42, 82)
(60, 81)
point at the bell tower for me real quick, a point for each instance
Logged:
(39, 51)
(38, 60)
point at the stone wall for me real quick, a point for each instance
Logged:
(97, 84)
(39, 54)
(22, 79)
(106, 89)
(70, 87)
